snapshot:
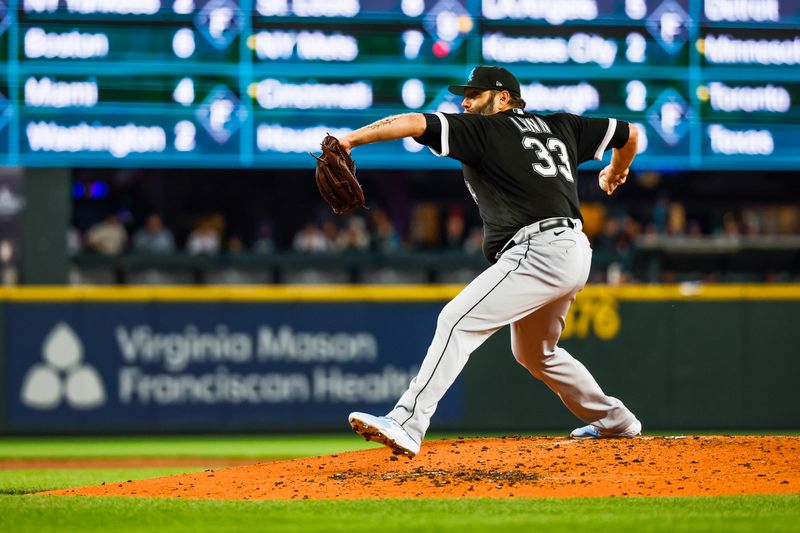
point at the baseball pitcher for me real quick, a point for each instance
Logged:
(521, 169)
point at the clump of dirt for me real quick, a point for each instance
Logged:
(502, 468)
(439, 477)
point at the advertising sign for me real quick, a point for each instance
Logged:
(209, 366)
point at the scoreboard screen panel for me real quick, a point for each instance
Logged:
(711, 84)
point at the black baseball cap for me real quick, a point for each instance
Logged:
(485, 77)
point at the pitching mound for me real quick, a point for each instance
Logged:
(502, 468)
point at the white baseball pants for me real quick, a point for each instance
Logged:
(530, 287)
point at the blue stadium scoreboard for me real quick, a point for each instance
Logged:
(711, 84)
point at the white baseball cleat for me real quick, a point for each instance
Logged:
(593, 432)
(386, 431)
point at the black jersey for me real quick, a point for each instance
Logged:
(521, 167)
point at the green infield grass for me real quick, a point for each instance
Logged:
(27, 481)
(729, 514)
(256, 447)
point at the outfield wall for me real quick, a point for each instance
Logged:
(301, 358)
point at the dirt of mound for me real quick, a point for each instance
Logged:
(502, 468)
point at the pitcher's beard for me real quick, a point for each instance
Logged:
(485, 109)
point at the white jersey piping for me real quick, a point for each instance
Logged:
(612, 127)
(445, 137)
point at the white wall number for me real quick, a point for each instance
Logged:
(183, 43)
(547, 167)
(637, 95)
(413, 42)
(413, 93)
(412, 8)
(183, 7)
(270, 8)
(185, 136)
(636, 49)
(635, 9)
(184, 92)
(642, 138)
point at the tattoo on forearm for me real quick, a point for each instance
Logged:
(382, 122)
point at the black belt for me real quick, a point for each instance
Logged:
(544, 225)
(556, 223)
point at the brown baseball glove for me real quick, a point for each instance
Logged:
(336, 177)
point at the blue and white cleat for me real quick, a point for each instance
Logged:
(386, 431)
(593, 432)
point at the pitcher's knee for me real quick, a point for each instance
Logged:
(532, 360)
(449, 317)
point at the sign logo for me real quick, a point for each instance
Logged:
(669, 116)
(220, 21)
(221, 114)
(63, 376)
(670, 24)
(449, 23)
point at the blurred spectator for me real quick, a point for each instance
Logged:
(9, 275)
(607, 240)
(310, 239)
(425, 226)
(661, 214)
(751, 222)
(107, 237)
(594, 214)
(631, 230)
(606, 254)
(676, 219)
(74, 241)
(730, 226)
(234, 245)
(694, 230)
(355, 236)
(650, 234)
(154, 238)
(384, 237)
(264, 243)
(772, 222)
(331, 232)
(788, 219)
(473, 244)
(204, 240)
(614, 274)
(454, 229)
